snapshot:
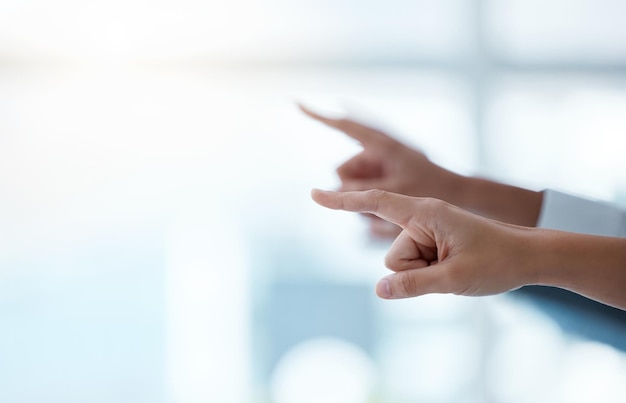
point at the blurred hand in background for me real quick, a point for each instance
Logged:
(390, 165)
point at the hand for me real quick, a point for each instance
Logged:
(389, 165)
(442, 248)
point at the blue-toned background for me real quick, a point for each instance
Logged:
(157, 240)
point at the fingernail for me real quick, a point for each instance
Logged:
(383, 289)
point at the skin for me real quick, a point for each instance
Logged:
(386, 164)
(445, 249)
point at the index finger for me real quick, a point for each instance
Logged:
(357, 131)
(392, 207)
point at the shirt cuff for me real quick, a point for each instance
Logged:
(565, 212)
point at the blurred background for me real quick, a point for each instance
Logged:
(157, 240)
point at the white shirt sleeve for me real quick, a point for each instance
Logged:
(565, 212)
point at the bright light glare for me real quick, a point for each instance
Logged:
(135, 29)
(96, 31)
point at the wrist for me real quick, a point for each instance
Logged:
(590, 265)
(471, 193)
(542, 257)
(562, 258)
(529, 261)
(457, 189)
(501, 202)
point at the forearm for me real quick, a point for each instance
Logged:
(498, 201)
(589, 265)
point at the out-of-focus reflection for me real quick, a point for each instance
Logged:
(327, 369)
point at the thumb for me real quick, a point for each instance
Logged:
(414, 282)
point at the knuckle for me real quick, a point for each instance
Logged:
(407, 284)
(431, 208)
(376, 196)
(342, 200)
(376, 193)
(432, 204)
